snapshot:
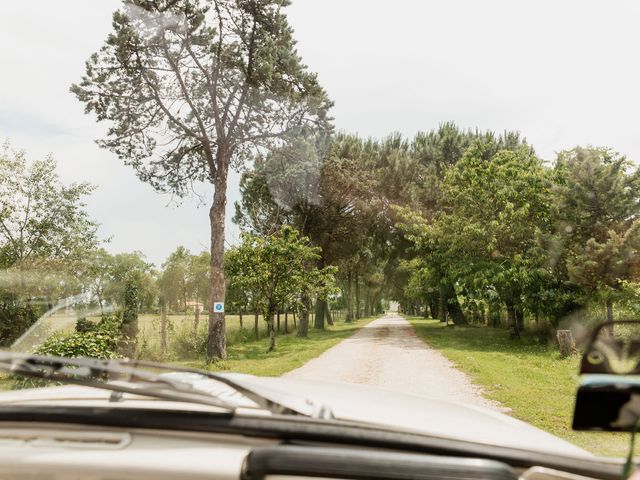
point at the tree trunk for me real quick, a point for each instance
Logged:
(367, 304)
(452, 305)
(271, 329)
(216, 340)
(240, 319)
(303, 327)
(286, 322)
(609, 317)
(433, 308)
(357, 313)
(294, 319)
(514, 332)
(442, 304)
(321, 307)
(520, 319)
(256, 327)
(184, 297)
(327, 312)
(349, 317)
(278, 316)
(196, 321)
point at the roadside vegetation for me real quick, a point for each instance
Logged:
(525, 376)
(253, 357)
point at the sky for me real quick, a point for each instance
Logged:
(562, 73)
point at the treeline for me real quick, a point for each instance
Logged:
(53, 263)
(512, 238)
(460, 225)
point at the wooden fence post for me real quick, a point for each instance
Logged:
(163, 330)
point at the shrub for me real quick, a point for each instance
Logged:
(92, 340)
(94, 344)
(186, 343)
(84, 325)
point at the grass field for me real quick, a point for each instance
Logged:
(291, 351)
(245, 354)
(527, 377)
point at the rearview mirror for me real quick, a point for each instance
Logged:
(608, 398)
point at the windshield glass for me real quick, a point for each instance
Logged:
(440, 199)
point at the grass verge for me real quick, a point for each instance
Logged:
(250, 356)
(529, 378)
(291, 351)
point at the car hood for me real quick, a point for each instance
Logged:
(358, 403)
(446, 419)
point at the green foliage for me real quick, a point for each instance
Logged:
(597, 238)
(494, 211)
(235, 73)
(40, 218)
(92, 340)
(45, 233)
(89, 340)
(277, 270)
(528, 377)
(131, 303)
(185, 278)
(16, 317)
(187, 343)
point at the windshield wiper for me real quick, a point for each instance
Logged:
(134, 377)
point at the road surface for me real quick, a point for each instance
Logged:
(388, 354)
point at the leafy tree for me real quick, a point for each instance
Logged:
(191, 87)
(39, 216)
(492, 221)
(437, 153)
(277, 270)
(597, 213)
(320, 186)
(130, 315)
(45, 232)
(122, 268)
(199, 277)
(174, 282)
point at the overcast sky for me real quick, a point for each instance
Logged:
(562, 72)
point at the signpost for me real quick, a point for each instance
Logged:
(218, 307)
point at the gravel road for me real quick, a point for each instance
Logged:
(388, 354)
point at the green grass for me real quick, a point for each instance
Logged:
(529, 378)
(149, 325)
(250, 356)
(291, 351)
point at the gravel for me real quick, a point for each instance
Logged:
(388, 354)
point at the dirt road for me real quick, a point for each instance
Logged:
(388, 354)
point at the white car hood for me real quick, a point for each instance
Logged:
(357, 403)
(419, 414)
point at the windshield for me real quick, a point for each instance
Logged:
(440, 199)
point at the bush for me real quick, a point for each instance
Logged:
(84, 325)
(15, 318)
(186, 343)
(94, 340)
